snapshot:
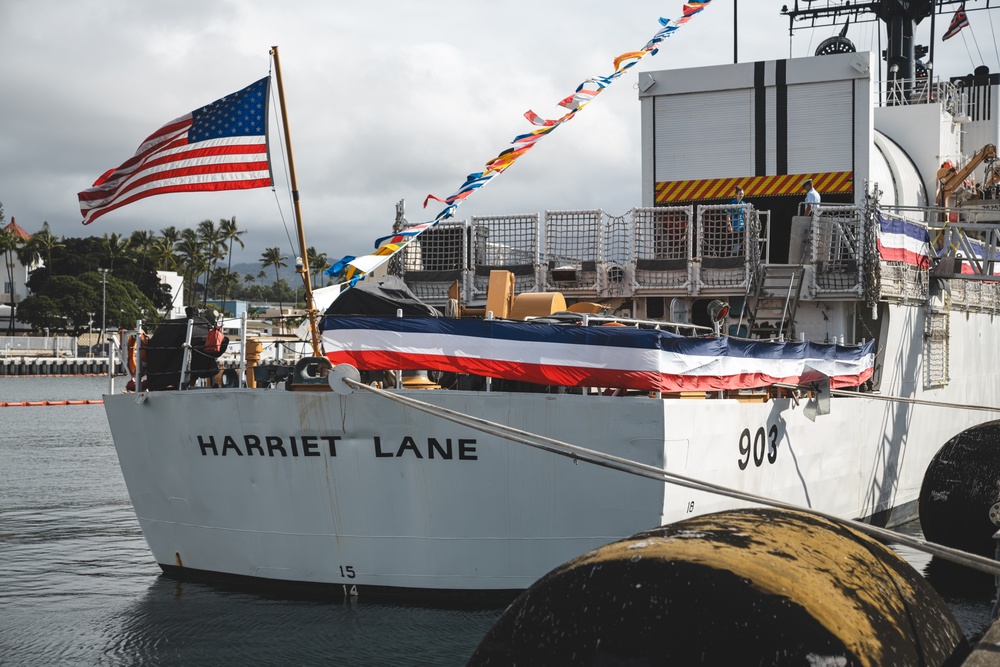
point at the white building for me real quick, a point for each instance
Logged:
(175, 283)
(17, 291)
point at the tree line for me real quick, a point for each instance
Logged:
(80, 281)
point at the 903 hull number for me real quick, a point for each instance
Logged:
(758, 446)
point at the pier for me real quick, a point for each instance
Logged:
(986, 653)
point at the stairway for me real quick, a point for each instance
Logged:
(775, 299)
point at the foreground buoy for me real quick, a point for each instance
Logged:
(960, 495)
(748, 587)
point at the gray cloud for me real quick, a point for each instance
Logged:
(387, 100)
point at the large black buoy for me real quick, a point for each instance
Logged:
(748, 587)
(960, 494)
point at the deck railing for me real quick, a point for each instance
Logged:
(681, 251)
(587, 253)
(921, 90)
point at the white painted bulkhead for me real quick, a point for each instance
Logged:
(912, 129)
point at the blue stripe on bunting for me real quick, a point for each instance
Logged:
(898, 226)
(647, 339)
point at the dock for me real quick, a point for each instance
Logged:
(987, 652)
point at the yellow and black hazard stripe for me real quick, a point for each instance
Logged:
(831, 182)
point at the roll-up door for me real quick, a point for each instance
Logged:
(703, 135)
(820, 127)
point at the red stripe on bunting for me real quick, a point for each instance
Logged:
(572, 376)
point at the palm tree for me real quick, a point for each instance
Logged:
(228, 281)
(28, 254)
(142, 241)
(189, 249)
(228, 231)
(170, 234)
(9, 243)
(317, 263)
(249, 283)
(46, 242)
(273, 257)
(213, 249)
(161, 252)
(116, 246)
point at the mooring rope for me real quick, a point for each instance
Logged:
(893, 399)
(610, 461)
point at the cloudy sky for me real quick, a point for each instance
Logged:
(388, 100)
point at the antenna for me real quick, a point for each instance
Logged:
(899, 16)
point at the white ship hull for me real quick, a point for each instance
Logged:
(318, 488)
(357, 492)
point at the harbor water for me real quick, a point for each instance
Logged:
(79, 586)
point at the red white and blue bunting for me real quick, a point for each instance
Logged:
(578, 356)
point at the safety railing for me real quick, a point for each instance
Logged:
(49, 345)
(838, 250)
(724, 248)
(670, 250)
(922, 90)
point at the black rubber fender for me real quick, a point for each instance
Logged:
(746, 587)
(960, 488)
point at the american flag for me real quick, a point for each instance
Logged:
(958, 21)
(221, 146)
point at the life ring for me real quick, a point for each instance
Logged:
(131, 351)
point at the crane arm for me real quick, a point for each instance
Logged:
(951, 178)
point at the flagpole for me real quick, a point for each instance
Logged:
(303, 255)
(736, 32)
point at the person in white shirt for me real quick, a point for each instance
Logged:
(812, 196)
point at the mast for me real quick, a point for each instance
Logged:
(302, 267)
(900, 18)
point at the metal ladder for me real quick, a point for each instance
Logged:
(776, 297)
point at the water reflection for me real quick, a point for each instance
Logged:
(80, 586)
(184, 622)
(969, 593)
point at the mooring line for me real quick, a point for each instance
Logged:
(610, 461)
(894, 399)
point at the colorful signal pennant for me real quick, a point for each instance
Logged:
(521, 144)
